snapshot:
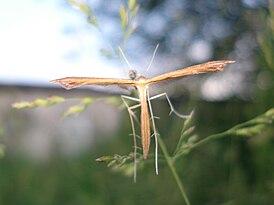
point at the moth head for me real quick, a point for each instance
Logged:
(132, 74)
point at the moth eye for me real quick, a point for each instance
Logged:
(132, 74)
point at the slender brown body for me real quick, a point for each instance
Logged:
(144, 118)
(142, 84)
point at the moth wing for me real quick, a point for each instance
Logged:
(74, 82)
(212, 66)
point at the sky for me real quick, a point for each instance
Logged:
(42, 40)
(36, 48)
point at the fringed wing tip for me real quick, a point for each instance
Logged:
(221, 64)
(63, 82)
(229, 62)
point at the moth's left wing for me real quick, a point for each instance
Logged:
(74, 82)
(212, 66)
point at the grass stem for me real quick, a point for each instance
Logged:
(172, 168)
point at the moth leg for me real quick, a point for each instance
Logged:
(130, 98)
(154, 133)
(131, 116)
(124, 98)
(170, 105)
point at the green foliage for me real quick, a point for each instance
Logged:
(123, 15)
(39, 102)
(76, 109)
(120, 163)
(250, 128)
(1, 146)
(73, 110)
(86, 9)
(107, 53)
(188, 141)
(187, 138)
(266, 38)
(127, 15)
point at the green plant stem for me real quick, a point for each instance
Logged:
(171, 166)
(209, 138)
(262, 119)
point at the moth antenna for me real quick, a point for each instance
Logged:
(125, 58)
(152, 58)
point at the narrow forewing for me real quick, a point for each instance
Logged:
(212, 66)
(74, 82)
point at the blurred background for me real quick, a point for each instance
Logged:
(48, 159)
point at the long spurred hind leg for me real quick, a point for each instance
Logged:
(154, 133)
(153, 122)
(131, 116)
(170, 105)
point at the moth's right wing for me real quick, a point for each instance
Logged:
(74, 82)
(212, 66)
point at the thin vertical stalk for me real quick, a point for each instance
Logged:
(173, 170)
